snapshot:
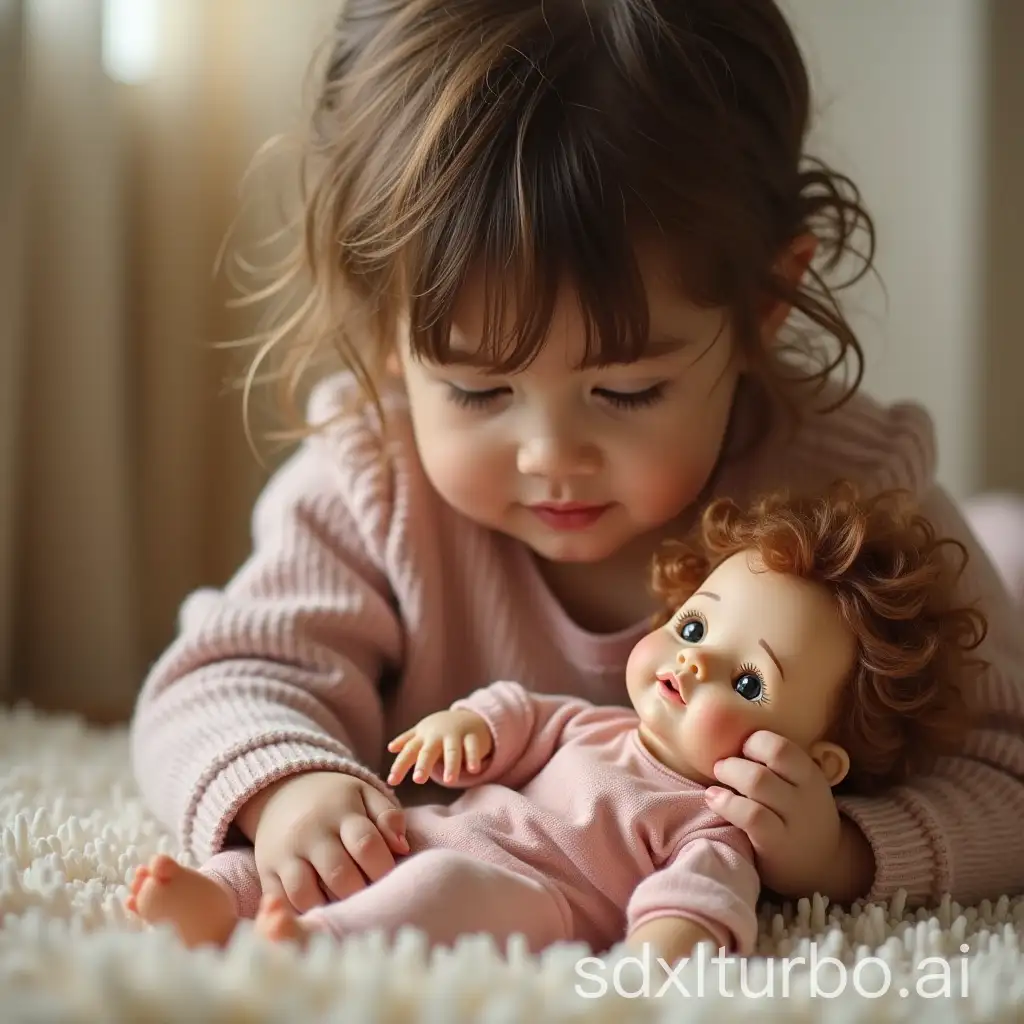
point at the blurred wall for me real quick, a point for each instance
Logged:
(11, 148)
(1000, 406)
(921, 102)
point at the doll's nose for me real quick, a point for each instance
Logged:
(694, 662)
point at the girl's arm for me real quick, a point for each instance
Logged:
(277, 672)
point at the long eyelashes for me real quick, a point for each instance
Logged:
(472, 399)
(687, 615)
(619, 399)
(634, 399)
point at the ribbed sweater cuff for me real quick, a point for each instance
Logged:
(906, 845)
(237, 782)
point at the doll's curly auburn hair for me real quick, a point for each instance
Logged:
(905, 703)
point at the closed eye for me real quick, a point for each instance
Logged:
(633, 399)
(474, 399)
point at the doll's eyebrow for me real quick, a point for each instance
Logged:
(707, 593)
(771, 654)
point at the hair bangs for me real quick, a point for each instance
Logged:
(537, 217)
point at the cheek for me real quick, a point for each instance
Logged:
(662, 478)
(646, 654)
(460, 464)
(719, 728)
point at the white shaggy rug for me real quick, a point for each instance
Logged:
(72, 831)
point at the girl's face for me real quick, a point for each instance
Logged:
(578, 463)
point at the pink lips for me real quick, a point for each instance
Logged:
(670, 687)
(571, 515)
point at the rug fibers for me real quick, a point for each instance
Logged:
(73, 830)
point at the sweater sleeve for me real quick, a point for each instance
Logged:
(277, 672)
(957, 829)
(526, 729)
(709, 879)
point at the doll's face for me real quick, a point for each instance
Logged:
(752, 650)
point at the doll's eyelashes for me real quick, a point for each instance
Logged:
(691, 626)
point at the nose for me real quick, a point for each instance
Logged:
(554, 454)
(695, 661)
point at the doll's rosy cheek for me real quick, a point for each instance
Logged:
(647, 653)
(725, 726)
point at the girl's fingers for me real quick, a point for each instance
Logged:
(758, 783)
(762, 826)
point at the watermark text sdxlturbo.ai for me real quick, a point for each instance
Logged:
(826, 977)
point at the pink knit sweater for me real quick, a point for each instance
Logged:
(367, 604)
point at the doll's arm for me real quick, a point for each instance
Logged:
(525, 728)
(707, 889)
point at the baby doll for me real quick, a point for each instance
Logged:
(827, 621)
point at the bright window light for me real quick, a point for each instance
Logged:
(130, 39)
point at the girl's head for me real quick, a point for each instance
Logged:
(854, 599)
(572, 225)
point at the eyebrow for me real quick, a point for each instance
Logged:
(662, 345)
(771, 654)
(707, 593)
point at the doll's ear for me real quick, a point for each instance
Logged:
(832, 759)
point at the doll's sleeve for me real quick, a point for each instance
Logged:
(526, 728)
(709, 879)
(957, 830)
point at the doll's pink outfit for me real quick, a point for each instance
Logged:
(573, 831)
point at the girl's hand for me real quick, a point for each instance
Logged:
(320, 836)
(459, 736)
(784, 803)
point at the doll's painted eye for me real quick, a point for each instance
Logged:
(748, 685)
(692, 632)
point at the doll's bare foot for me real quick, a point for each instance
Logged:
(276, 921)
(201, 911)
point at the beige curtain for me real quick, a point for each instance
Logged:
(125, 474)
(11, 164)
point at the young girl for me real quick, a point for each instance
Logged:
(563, 249)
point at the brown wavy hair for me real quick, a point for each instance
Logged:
(536, 142)
(906, 701)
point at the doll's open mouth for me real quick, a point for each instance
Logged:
(668, 683)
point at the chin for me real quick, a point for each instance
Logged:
(570, 549)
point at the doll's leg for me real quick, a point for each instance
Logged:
(203, 906)
(444, 893)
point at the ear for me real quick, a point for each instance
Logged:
(791, 267)
(832, 759)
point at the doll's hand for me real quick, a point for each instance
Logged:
(321, 835)
(460, 736)
(786, 807)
